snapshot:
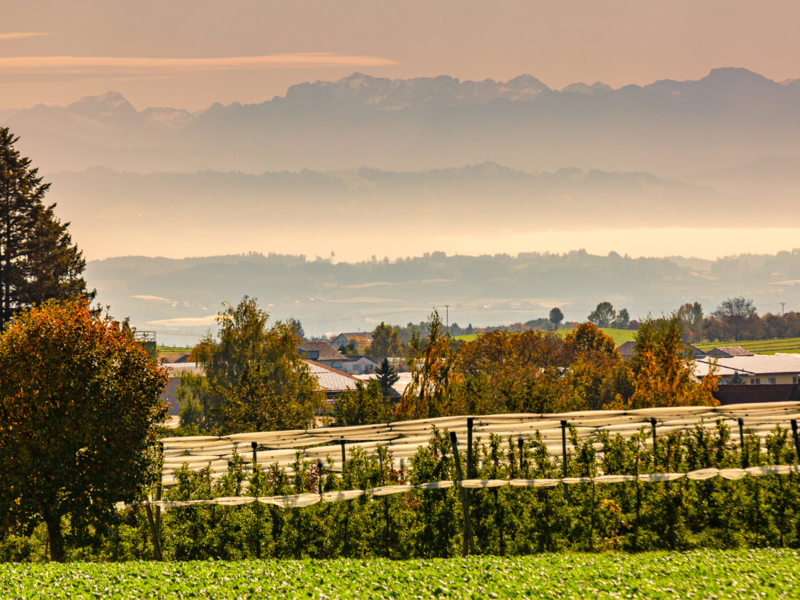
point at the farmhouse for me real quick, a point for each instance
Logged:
(343, 339)
(756, 369)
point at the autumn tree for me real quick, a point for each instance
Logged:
(255, 379)
(691, 320)
(556, 316)
(663, 369)
(79, 400)
(385, 341)
(603, 315)
(38, 260)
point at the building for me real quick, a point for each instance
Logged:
(398, 389)
(628, 351)
(323, 353)
(173, 357)
(333, 381)
(170, 393)
(343, 339)
(359, 365)
(756, 369)
(756, 394)
(729, 352)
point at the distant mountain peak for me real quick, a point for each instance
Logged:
(581, 88)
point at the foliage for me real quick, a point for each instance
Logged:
(603, 315)
(556, 316)
(38, 260)
(663, 368)
(364, 405)
(255, 380)
(735, 313)
(386, 375)
(385, 341)
(79, 399)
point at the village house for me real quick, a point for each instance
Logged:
(343, 339)
(755, 369)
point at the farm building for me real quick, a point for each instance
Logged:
(756, 369)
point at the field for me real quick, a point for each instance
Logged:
(707, 574)
(760, 346)
(620, 335)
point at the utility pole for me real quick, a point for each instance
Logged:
(783, 313)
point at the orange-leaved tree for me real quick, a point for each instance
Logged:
(79, 402)
(663, 370)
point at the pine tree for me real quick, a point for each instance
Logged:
(38, 260)
(386, 376)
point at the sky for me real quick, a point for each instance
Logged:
(192, 53)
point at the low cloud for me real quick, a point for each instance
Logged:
(105, 65)
(20, 35)
(186, 321)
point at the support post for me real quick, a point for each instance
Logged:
(254, 446)
(653, 422)
(469, 447)
(796, 439)
(344, 456)
(520, 446)
(564, 456)
(319, 475)
(469, 544)
(742, 445)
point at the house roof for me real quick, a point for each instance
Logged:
(367, 335)
(756, 365)
(745, 394)
(173, 357)
(399, 387)
(330, 379)
(730, 351)
(324, 349)
(626, 350)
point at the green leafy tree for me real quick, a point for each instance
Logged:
(735, 314)
(622, 320)
(298, 328)
(362, 406)
(556, 316)
(692, 320)
(38, 260)
(603, 315)
(385, 341)
(79, 401)
(386, 376)
(255, 380)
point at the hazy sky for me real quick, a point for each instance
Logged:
(55, 52)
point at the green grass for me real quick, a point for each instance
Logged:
(760, 346)
(173, 349)
(700, 574)
(620, 336)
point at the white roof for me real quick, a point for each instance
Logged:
(175, 369)
(759, 364)
(399, 387)
(330, 379)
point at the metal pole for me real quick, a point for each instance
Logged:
(742, 446)
(521, 456)
(564, 457)
(796, 439)
(655, 442)
(344, 456)
(469, 544)
(254, 446)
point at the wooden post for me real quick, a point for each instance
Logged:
(254, 446)
(742, 446)
(344, 455)
(655, 443)
(469, 544)
(158, 490)
(564, 457)
(520, 447)
(796, 439)
(153, 532)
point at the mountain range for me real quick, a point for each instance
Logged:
(727, 119)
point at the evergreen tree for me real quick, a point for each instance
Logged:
(38, 260)
(386, 376)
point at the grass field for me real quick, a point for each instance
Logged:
(706, 574)
(620, 335)
(760, 346)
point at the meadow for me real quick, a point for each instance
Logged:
(703, 574)
(791, 345)
(620, 336)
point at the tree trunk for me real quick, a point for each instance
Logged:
(56, 539)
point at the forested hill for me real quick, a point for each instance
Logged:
(179, 297)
